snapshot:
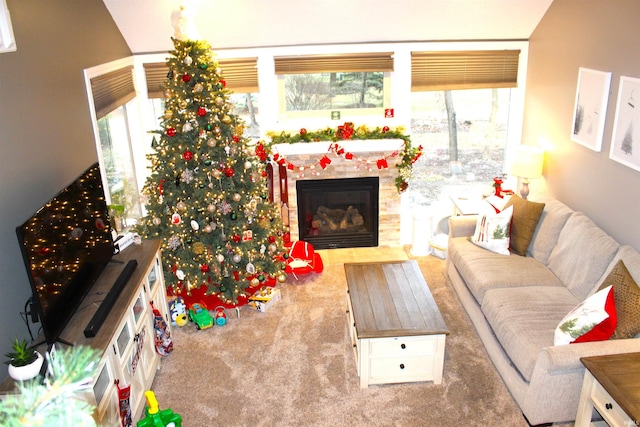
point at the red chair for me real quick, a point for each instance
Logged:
(303, 259)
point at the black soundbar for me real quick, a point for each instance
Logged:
(110, 300)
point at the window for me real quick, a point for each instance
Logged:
(313, 85)
(117, 161)
(461, 106)
(112, 96)
(333, 91)
(467, 156)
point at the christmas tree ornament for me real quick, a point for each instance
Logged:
(282, 278)
(198, 248)
(156, 221)
(171, 132)
(176, 219)
(188, 60)
(211, 208)
(198, 87)
(187, 127)
(168, 114)
(237, 197)
(220, 258)
(195, 225)
(180, 274)
(254, 282)
(201, 112)
(247, 165)
(233, 216)
(237, 258)
(226, 119)
(211, 142)
(187, 155)
(186, 78)
(181, 206)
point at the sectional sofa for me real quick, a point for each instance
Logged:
(516, 302)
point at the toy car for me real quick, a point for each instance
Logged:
(199, 315)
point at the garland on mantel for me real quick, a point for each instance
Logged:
(409, 154)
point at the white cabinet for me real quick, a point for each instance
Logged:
(127, 337)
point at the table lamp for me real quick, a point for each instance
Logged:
(527, 164)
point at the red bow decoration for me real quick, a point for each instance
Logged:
(382, 164)
(290, 166)
(261, 152)
(345, 131)
(348, 156)
(339, 150)
(324, 162)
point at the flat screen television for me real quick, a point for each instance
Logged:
(65, 246)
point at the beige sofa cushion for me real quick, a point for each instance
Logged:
(582, 255)
(482, 269)
(554, 216)
(524, 320)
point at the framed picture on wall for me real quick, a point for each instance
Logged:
(592, 95)
(625, 141)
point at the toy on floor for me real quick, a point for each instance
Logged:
(303, 259)
(157, 418)
(178, 310)
(221, 316)
(199, 315)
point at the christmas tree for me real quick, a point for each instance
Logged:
(207, 194)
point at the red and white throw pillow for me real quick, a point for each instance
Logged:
(493, 229)
(594, 319)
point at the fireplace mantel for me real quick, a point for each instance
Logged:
(351, 146)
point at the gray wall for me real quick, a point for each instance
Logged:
(46, 138)
(602, 36)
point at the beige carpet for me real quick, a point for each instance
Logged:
(294, 366)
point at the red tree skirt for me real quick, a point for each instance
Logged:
(202, 295)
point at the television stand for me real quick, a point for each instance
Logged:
(126, 340)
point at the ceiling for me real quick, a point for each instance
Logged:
(147, 24)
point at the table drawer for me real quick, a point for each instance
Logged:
(400, 369)
(403, 346)
(608, 408)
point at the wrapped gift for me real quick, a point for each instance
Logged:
(264, 298)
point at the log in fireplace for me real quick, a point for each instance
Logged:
(338, 213)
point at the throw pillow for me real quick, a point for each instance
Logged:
(594, 319)
(492, 229)
(526, 216)
(627, 301)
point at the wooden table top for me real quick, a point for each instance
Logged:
(619, 374)
(392, 299)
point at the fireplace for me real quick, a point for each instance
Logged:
(338, 213)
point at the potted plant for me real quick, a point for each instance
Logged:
(24, 362)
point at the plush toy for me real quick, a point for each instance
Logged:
(178, 311)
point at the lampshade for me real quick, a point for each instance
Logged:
(527, 162)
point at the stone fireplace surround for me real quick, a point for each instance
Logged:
(365, 155)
